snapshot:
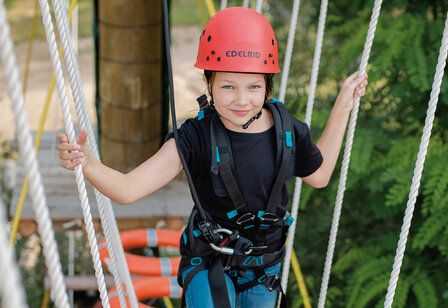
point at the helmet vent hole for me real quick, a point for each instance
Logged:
(208, 58)
(272, 42)
(273, 61)
(265, 62)
(219, 59)
(213, 52)
(209, 38)
(270, 55)
(203, 32)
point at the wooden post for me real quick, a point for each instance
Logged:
(130, 81)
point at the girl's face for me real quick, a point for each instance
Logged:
(238, 96)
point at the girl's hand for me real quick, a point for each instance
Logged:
(71, 155)
(352, 87)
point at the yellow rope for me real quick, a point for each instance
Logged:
(43, 118)
(300, 281)
(45, 299)
(201, 12)
(167, 302)
(210, 7)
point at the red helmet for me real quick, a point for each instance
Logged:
(238, 39)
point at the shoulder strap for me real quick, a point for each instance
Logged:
(222, 161)
(285, 138)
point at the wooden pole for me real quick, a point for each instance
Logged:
(130, 81)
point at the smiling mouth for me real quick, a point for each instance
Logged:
(240, 112)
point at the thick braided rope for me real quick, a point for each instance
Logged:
(49, 32)
(246, 3)
(424, 143)
(11, 288)
(289, 47)
(309, 112)
(259, 6)
(107, 216)
(346, 160)
(63, 29)
(223, 4)
(44, 225)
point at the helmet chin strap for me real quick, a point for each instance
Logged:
(255, 117)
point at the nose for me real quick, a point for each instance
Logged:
(241, 98)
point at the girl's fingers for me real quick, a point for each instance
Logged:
(70, 156)
(71, 164)
(68, 147)
(82, 137)
(61, 138)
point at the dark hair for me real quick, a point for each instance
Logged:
(210, 76)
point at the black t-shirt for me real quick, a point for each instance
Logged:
(254, 156)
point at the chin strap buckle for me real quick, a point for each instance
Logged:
(255, 117)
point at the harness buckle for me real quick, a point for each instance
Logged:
(272, 282)
(209, 230)
(256, 248)
(267, 219)
(245, 219)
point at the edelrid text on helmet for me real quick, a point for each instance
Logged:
(238, 39)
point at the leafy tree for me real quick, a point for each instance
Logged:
(401, 71)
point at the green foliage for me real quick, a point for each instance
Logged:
(401, 71)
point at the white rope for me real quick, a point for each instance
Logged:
(223, 4)
(44, 225)
(259, 6)
(309, 112)
(346, 159)
(107, 216)
(11, 288)
(424, 143)
(246, 3)
(49, 31)
(289, 47)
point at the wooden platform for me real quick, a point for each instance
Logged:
(172, 203)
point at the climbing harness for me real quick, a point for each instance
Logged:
(206, 243)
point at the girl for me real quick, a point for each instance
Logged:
(241, 150)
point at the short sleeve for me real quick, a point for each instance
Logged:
(308, 156)
(189, 141)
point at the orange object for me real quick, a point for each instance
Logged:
(238, 39)
(149, 287)
(150, 266)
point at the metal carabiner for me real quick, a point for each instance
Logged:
(244, 219)
(223, 250)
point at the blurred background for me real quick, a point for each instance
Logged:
(121, 60)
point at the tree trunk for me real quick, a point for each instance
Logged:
(130, 81)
